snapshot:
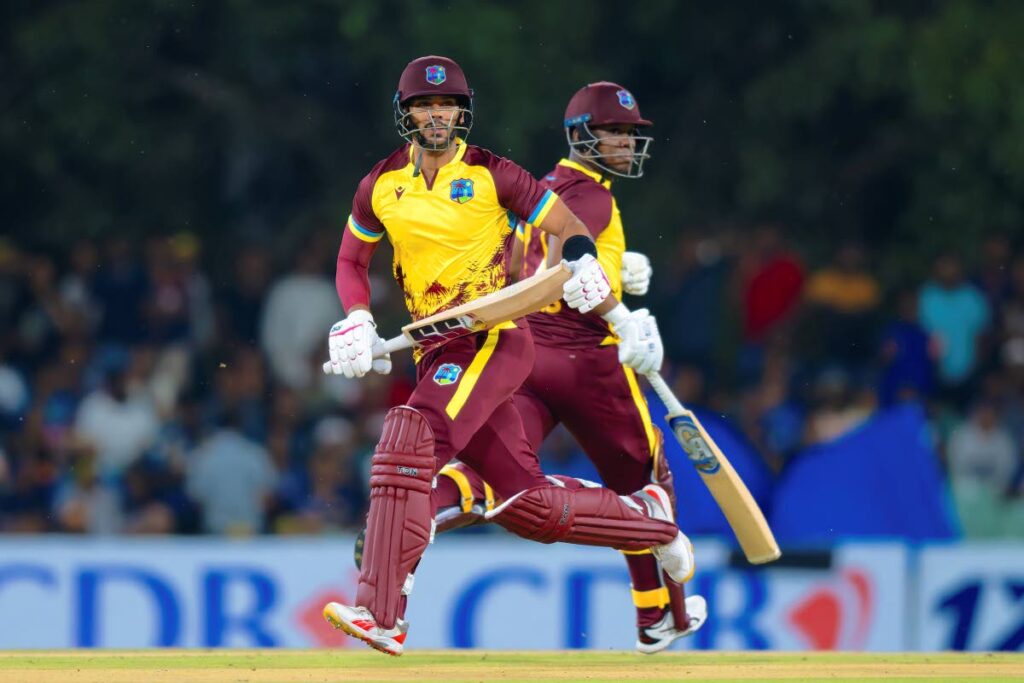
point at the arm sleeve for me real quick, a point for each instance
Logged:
(591, 203)
(362, 233)
(610, 245)
(518, 191)
(363, 221)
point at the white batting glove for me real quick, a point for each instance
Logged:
(351, 343)
(640, 344)
(588, 286)
(636, 273)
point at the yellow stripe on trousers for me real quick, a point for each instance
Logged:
(475, 369)
(641, 407)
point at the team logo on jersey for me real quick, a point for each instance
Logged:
(436, 74)
(447, 374)
(626, 99)
(462, 190)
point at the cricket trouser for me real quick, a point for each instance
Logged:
(462, 404)
(600, 403)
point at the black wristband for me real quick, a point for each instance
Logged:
(578, 245)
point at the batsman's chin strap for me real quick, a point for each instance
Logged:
(418, 163)
(423, 145)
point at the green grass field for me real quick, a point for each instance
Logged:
(364, 666)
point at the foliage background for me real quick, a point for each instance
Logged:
(901, 123)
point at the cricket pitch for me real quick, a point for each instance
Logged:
(364, 666)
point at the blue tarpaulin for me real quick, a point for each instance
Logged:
(880, 480)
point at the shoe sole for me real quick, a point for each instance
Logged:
(356, 633)
(655, 648)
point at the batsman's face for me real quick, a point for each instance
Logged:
(617, 145)
(434, 116)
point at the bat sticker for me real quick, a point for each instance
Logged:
(429, 336)
(697, 449)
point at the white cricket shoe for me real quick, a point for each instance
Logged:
(359, 623)
(676, 558)
(652, 639)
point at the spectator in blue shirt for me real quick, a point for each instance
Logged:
(956, 315)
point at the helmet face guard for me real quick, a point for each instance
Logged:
(586, 147)
(433, 75)
(458, 126)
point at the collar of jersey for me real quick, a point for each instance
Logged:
(459, 153)
(597, 177)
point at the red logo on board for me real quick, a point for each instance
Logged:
(311, 620)
(837, 614)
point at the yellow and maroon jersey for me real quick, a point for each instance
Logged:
(589, 196)
(450, 234)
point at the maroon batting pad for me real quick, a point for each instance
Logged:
(586, 516)
(398, 523)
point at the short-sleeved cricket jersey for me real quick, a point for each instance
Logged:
(589, 196)
(450, 236)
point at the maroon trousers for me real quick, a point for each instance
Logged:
(600, 403)
(465, 389)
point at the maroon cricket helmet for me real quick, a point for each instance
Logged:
(432, 75)
(603, 104)
(606, 104)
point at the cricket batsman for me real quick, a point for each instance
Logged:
(579, 355)
(445, 207)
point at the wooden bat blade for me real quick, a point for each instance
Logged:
(515, 301)
(733, 497)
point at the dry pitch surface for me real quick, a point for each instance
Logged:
(364, 666)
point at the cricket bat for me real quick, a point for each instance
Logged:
(731, 494)
(515, 301)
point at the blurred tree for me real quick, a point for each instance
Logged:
(900, 126)
(902, 123)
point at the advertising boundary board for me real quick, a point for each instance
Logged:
(496, 592)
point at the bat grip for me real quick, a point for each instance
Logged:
(398, 343)
(663, 391)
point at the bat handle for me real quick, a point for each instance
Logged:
(398, 343)
(394, 344)
(663, 391)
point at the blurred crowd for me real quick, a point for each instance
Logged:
(145, 391)
(800, 352)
